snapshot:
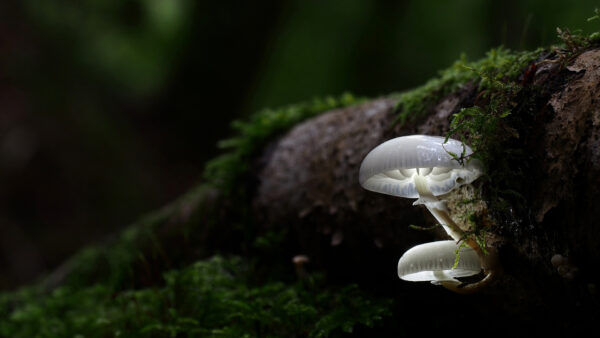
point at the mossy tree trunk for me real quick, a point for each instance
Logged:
(300, 195)
(307, 181)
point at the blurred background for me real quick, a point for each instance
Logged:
(109, 108)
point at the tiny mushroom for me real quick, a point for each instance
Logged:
(558, 260)
(564, 267)
(435, 262)
(299, 262)
(424, 167)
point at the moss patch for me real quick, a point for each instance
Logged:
(499, 63)
(224, 170)
(209, 298)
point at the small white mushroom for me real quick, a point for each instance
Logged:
(422, 167)
(299, 262)
(434, 262)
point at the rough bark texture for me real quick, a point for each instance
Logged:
(308, 182)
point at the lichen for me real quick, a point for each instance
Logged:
(465, 201)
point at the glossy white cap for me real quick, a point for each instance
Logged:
(391, 166)
(433, 262)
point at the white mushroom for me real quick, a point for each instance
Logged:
(435, 261)
(422, 167)
(425, 167)
(299, 262)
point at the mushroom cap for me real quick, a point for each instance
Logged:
(391, 166)
(433, 262)
(300, 259)
(558, 260)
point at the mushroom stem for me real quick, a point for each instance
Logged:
(444, 219)
(452, 229)
(489, 261)
(438, 211)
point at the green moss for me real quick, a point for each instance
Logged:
(499, 63)
(224, 170)
(594, 38)
(209, 298)
(490, 126)
(114, 264)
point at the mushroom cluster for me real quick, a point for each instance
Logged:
(425, 167)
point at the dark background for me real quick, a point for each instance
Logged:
(109, 108)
